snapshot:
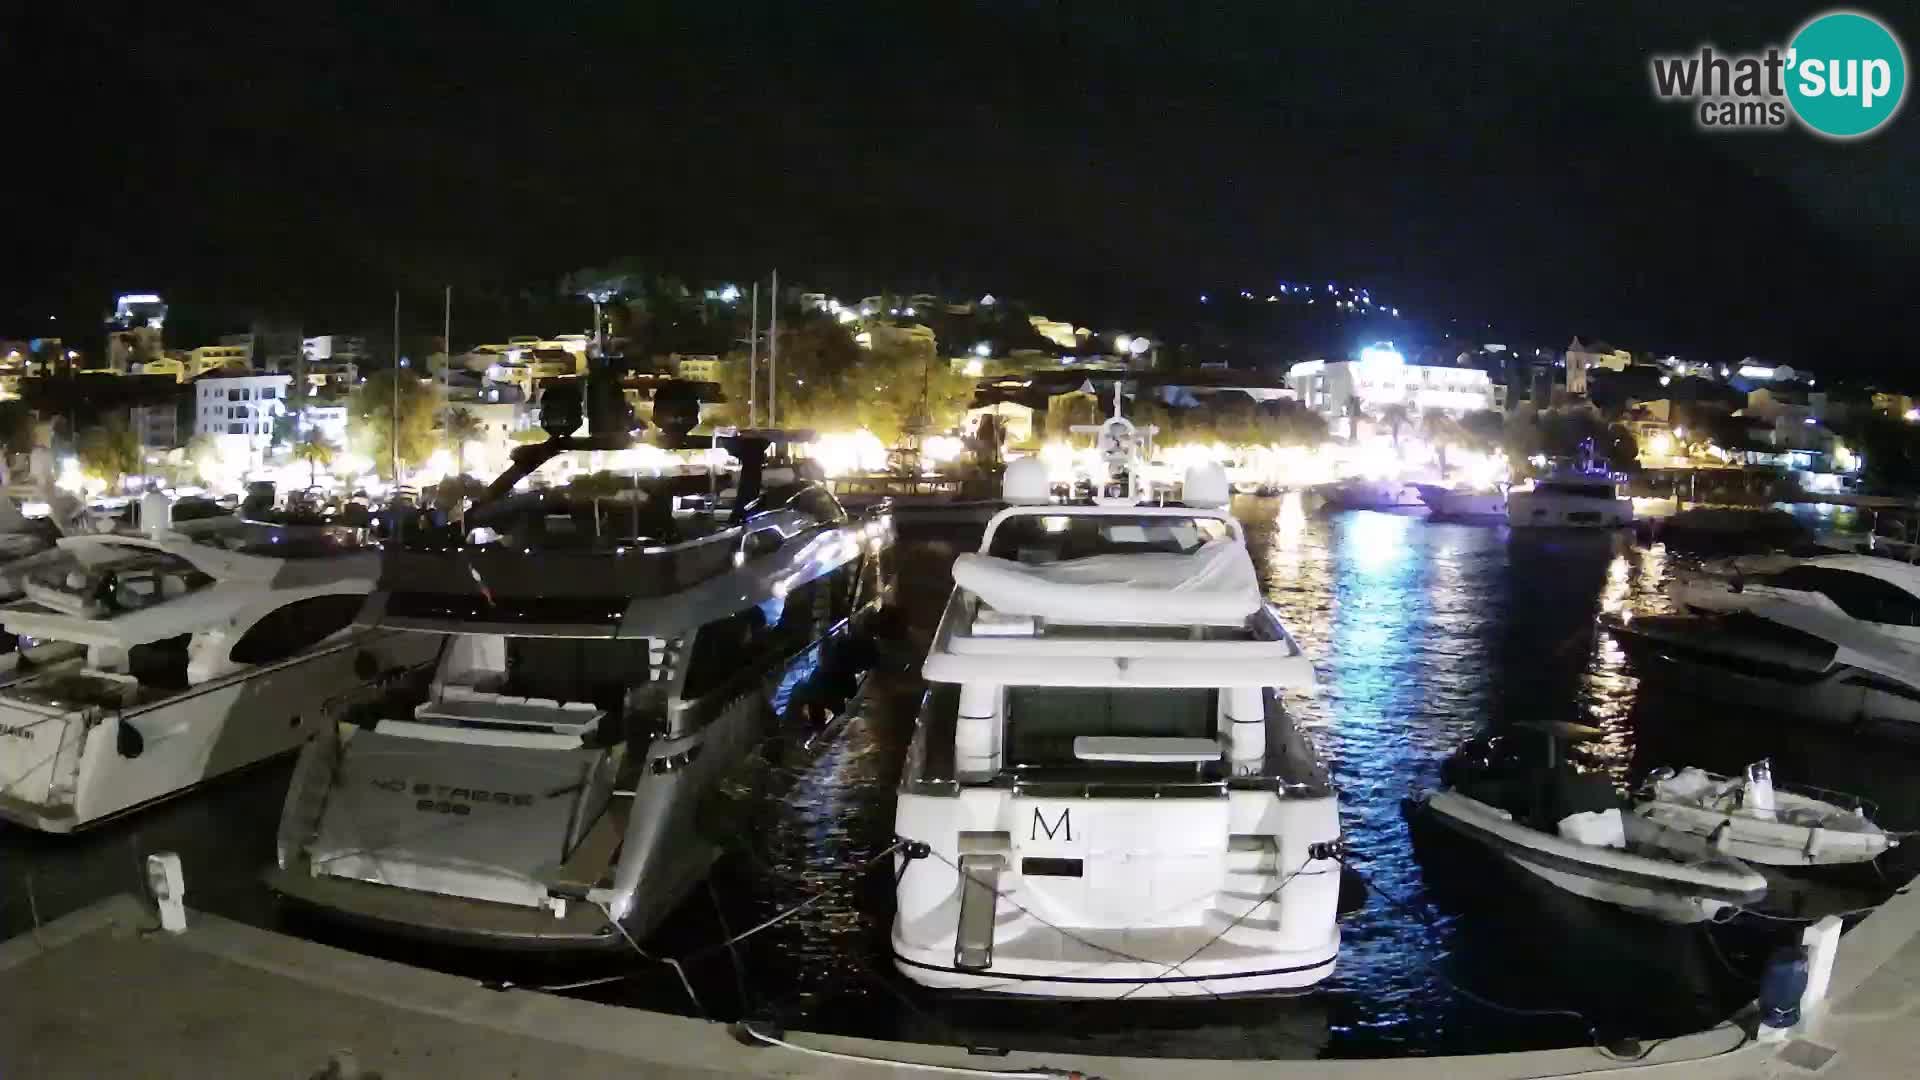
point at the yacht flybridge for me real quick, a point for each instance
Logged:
(1112, 801)
(609, 648)
(150, 663)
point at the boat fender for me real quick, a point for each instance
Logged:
(128, 740)
(1781, 986)
(1814, 836)
(1353, 892)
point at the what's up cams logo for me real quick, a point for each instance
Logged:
(1842, 76)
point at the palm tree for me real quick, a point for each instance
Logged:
(1441, 430)
(314, 449)
(1395, 416)
(462, 427)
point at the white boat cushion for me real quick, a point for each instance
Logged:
(1215, 585)
(1600, 828)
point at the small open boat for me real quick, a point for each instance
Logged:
(1571, 829)
(1748, 818)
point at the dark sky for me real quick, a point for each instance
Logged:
(1501, 161)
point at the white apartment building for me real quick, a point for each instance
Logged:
(1382, 377)
(240, 406)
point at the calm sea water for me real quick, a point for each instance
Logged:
(1423, 635)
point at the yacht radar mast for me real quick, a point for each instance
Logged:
(1122, 448)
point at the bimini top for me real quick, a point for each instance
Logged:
(1214, 586)
(1112, 596)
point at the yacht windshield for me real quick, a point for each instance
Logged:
(101, 588)
(1578, 490)
(606, 498)
(1043, 723)
(1055, 538)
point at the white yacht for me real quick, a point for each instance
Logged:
(1364, 493)
(1104, 797)
(150, 663)
(1881, 593)
(1464, 504)
(1572, 498)
(610, 647)
(1783, 656)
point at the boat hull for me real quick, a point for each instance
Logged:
(1536, 510)
(1370, 495)
(70, 772)
(1801, 687)
(1108, 898)
(1662, 888)
(1470, 507)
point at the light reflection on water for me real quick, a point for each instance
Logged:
(1423, 634)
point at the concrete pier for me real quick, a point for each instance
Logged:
(103, 992)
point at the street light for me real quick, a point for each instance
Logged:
(983, 350)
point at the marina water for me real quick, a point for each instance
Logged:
(1423, 634)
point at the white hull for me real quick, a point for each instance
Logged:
(1489, 506)
(64, 770)
(1664, 888)
(1536, 509)
(1371, 495)
(1162, 905)
(1660, 904)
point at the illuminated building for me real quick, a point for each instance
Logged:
(240, 406)
(695, 367)
(1382, 377)
(1582, 358)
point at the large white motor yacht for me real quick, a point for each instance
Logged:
(1879, 592)
(150, 663)
(1802, 655)
(1570, 498)
(615, 645)
(1104, 797)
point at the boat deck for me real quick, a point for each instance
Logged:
(228, 999)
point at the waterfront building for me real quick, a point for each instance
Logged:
(239, 410)
(1382, 377)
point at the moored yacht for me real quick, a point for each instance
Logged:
(1571, 497)
(1881, 593)
(611, 646)
(1464, 504)
(1105, 797)
(1365, 493)
(151, 663)
(1782, 656)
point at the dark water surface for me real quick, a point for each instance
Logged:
(1423, 634)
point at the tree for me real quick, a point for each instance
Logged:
(371, 410)
(110, 451)
(16, 427)
(314, 449)
(1483, 429)
(1065, 411)
(1441, 430)
(1396, 417)
(1293, 424)
(462, 427)
(912, 388)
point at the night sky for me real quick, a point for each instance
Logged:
(1503, 163)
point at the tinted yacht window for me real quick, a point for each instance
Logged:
(297, 626)
(1051, 538)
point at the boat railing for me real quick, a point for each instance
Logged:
(1846, 800)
